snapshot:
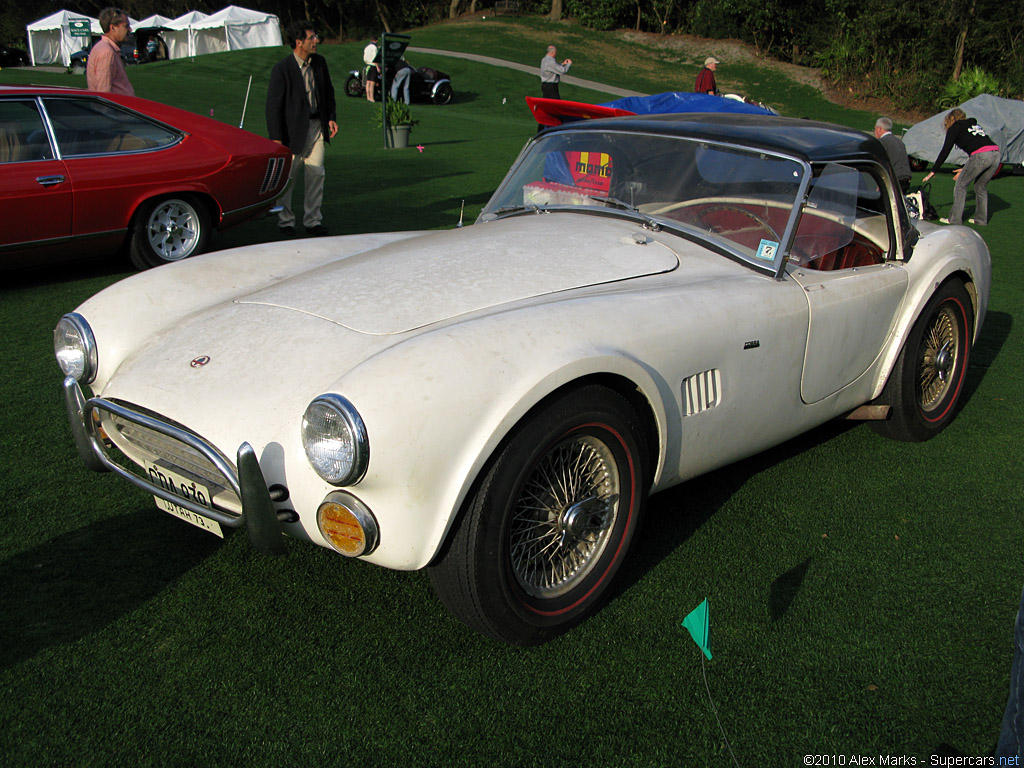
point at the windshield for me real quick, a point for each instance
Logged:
(742, 198)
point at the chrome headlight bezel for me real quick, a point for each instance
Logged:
(332, 418)
(73, 336)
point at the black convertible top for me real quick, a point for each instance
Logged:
(813, 141)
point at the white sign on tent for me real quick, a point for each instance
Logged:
(50, 40)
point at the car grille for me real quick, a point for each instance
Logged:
(142, 444)
(272, 178)
(178, 455)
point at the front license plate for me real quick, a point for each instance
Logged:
(189, 489)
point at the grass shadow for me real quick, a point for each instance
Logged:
(81, 581)
(993, 337)
(674, 515)
(39, 275)
(785, 588)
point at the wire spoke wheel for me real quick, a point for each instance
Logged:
(561, 521)
(550, 521)
(925, 384)
(938, 359)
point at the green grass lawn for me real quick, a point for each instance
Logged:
(862, 591)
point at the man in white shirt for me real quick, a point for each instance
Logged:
(551, 73)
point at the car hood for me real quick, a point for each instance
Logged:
(414, 283)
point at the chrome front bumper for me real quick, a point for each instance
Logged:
(258, 514)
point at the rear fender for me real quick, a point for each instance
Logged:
(969, 263)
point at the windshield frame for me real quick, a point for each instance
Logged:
(775, 267)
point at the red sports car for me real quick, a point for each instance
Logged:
(85, 173)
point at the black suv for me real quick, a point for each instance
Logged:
(129, 54)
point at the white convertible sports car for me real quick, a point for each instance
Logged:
(644, 299)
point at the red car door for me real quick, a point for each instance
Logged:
(35, 191)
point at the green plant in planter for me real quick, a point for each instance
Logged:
(398, 114)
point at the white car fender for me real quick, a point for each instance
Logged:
(432, 452)
(970, 257)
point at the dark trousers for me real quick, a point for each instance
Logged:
(549, 90)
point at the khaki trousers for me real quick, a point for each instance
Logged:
(312, 162)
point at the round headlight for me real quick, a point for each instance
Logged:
(335, 441)
(75, 348)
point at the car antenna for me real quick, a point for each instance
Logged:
(246, 103)
(461, 211)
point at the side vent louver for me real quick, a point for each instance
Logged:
(702, 391)
(275, 167)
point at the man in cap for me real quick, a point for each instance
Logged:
(706, 77)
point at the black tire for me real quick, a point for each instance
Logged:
(443, 94)
(925, 384)
(168, 229)
(530, 557)
(78, 68)
(354, 86)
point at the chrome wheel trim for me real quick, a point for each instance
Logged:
(173, 230)
(939, 356)
(562, 520)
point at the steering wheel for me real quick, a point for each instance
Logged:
(710, 225)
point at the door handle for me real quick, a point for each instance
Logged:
(49, 181)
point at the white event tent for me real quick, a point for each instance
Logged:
(229, 29)
(50, 40)
(194, 33)
(156, 20)
(178, 33)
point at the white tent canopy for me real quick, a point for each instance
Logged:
(178, 34)
(50, 40)
(156, 20)
(230, 29)
(194, 33)
(1002, 119)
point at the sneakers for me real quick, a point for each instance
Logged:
(318, 231)
(286, 231)
(978, 223)
(944, 221)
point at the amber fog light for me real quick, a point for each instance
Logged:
(347, 524)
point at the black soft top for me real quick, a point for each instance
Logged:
(812, 141)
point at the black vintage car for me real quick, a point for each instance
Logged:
(428, 85)
(13, 57)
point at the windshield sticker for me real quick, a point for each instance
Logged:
(591, 170)
(766, 250)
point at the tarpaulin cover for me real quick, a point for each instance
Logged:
(680, 101)
(1002, 119)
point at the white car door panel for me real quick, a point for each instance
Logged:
(852, 313)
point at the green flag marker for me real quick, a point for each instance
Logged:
(697, 624)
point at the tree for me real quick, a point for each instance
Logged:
(556, 10)
(961, 41)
